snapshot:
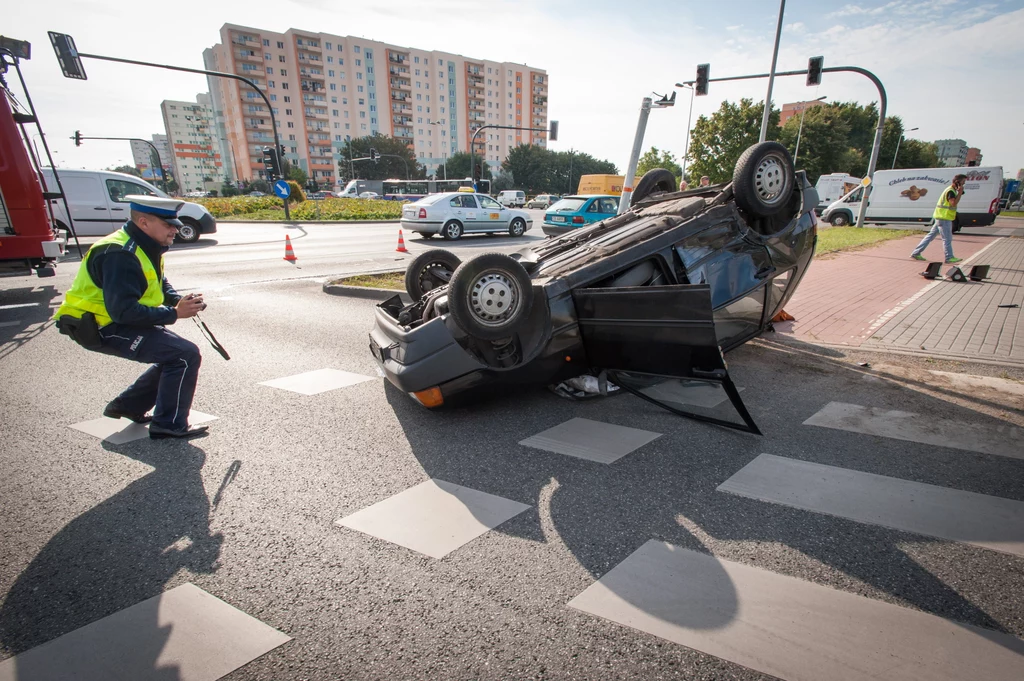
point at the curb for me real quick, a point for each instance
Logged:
(332, 288)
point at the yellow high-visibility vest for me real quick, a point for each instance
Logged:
(943, 209)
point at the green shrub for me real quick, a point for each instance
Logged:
(297, 195)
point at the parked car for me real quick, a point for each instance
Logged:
(512, 198)
(542, 201)
(256, 193)
(573, 212)
(452, 214)
(661, 290)
(369, 195)
(96, 200)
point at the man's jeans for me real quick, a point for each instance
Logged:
(944, 227)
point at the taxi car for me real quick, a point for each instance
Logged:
(452, 214)
(573, 212)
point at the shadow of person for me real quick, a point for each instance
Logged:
(115, 555)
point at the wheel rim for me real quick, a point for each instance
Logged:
(187, 232)
(431, 276)
(453, 230)
(494, 298)
(769, 179)
(518, 227)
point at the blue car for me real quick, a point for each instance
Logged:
(573, 212)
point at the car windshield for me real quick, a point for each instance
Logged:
(568, 205)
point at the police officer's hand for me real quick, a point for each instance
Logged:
(190, 305)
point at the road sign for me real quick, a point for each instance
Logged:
(1011, 186)
(67, 55)
(282, 189)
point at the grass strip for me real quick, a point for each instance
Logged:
(834, 239)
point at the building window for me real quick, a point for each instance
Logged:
(287, 112)
(283, 72)
(273, 98)
(334, 100)
(280, 45)
(291, 138)
(332, 86)
(330, 73)
(362, 101)
(280, 58)
(270, 70)
(417, 60)
(287, 99)
(327, 46)
(266, 43)
(266, 55)
(270, 83)
(284, 86)
(359, 75)
(290, 124)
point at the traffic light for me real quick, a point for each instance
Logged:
(478, 173)
(281, 152)
(814, 65)
(374, 156)
(271, 163)
(703, 73)
(78, 138)
(553, 134)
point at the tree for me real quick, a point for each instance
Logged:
(172, 185)
(654, 158)
(566, 167)
(502, 181)
(458, 166)
(387, 167)
(717, 142)
(824, 140)
(128, 170)
(530, 165)
(294, 172)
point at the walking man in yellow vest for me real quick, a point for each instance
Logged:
(944, 215)
(120, 304)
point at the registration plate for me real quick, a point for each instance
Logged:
(558, 218)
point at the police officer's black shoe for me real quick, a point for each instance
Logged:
(114, 411)
(158, 433)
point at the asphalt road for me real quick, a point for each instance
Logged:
(249, 512)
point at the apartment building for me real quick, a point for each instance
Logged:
(327, 89)
(194, 146)
(952, 152)
(793, 108)
(142, 157)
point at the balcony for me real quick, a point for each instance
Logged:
(309, 44)
(401, 109)
(474, 69)
(398, 71)
(401, 120)
(311, 74)
(246, 40)
(476, 80)
(249, 55)
(401, 84)
(312, 86)
(540, 101)
(399, 97)
(398, 58)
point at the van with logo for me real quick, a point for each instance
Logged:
(910, 195)
(98, 207)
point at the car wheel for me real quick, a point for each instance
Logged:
(839, 220)
(656, 180)
(425, 235)
(517, 227)
(490, 296)
(188, 233)
(452, 230)
(430, 270)
(763, 179)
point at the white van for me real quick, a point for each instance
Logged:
(96, 200)
(512, 198)
(833, 187)
(910, 195)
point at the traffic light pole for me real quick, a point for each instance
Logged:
(882, 105)
(204, 72)
(472, 143)
(160, 164)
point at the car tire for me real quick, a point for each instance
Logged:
(839, 220)
(188, 233)
(429, 270)
(490, 296)
(426, 235)
(452, 230)
(763, 179)
(517, 227)
(656, 180)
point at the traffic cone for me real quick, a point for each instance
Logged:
(289, 254)
(401, 243)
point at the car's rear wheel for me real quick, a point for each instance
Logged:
(188, 233)
(839, 220)
(763, 179)
(517, 227)
(490, 296)
(656, 180)
(430, 270)
(452, 230)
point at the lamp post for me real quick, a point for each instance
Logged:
(771, 75)
(444, 158)
(898, 148)
(803, 110)
(686, 151)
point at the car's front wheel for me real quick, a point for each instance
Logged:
(188, 233)
(517, 227)
(490, 296)
(452, 230)
(763, 179)
(839, 220)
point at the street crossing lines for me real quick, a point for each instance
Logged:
(316, 382)
(433, 518)
(591, 440)
(990, 522)
(120, 431)
(902, 425)
(184, 633)
(788, 627)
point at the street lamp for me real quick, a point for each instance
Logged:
(686, 151)
(444, 156)
(898, 148)
(803, 110)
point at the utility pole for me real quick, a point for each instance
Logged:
(771, 75)
(638, 140)
(898, 148)
(803, 110)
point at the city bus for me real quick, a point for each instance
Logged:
(414, 190)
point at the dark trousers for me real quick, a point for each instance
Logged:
(166, 387)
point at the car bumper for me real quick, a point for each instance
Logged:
(558, 229)
(420, 226)
(207, 224)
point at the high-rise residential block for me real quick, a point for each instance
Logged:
(952, 152)
(142, 157)
(327, 89)
(194, 144)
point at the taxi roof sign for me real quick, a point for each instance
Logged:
(468, 190)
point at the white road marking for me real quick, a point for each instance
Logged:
(17, 305)
(319, 381)
(591, 440)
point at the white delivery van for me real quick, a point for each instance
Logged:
(833, 187)
(910, 195)
(96, 200)
(512, 198)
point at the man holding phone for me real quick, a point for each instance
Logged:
(944, 215)
(120, 304)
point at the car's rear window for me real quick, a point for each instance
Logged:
(431, 199)
(568, 205)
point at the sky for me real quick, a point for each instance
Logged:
(952, 69)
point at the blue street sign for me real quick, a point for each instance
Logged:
(282, 189)
(1011, 186)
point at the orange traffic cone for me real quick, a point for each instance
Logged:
(401, 243)
(289, 254)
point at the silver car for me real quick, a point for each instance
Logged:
(453, 214)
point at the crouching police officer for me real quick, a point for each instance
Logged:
(120, 304)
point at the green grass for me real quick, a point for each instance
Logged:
(832, 239)
(389, 280)
(1012, 214)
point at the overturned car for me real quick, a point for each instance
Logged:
(661, 290)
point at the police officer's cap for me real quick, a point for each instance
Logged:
(165, 209)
